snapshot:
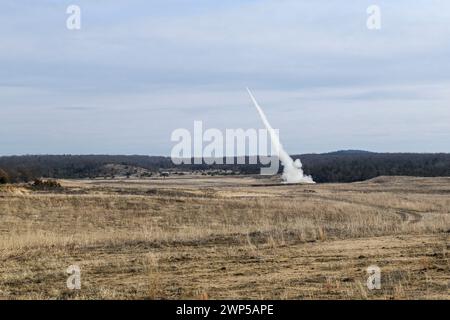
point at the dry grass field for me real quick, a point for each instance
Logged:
(200, 237)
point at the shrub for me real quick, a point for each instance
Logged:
(4, 177)
(46, 184)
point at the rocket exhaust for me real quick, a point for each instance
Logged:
(292, 170)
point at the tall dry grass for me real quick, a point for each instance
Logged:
(102, 226)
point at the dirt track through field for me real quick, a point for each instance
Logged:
(407, 216)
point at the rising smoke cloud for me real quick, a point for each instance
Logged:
(292, 170)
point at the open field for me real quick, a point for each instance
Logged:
(226, 237)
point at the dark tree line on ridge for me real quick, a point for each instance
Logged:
(340, 166)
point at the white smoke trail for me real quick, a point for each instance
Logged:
(292, 170)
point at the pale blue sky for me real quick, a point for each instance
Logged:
(137, 70)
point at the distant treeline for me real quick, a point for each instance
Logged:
(340, 166)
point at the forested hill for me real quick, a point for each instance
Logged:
(339, 166)
(357, 166)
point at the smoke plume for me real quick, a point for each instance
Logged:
(292, 170)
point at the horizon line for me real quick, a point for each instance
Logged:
(224, 156)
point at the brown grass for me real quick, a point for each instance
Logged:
(229, 237)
